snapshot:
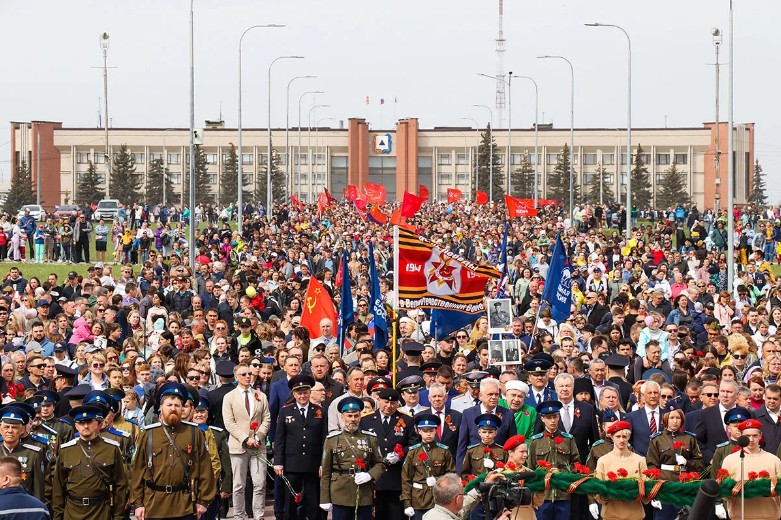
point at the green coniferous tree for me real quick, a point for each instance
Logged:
(672, 190)
(559, 180)
(229, 190)
(88, 189)
(601, 189)
(21, 191)
(523, 179)
(758, 195)
(158, 176)
(641, 184)
(488, 149)
(125, 185)
(203, 192)
(278, 186)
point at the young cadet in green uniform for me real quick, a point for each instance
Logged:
(41, 431)
(50, 401)
(732, 418)
(557, 448)
(13, 423)
(89, 481)
(118, 421)
(352, 464)
(482, 457)
(424, 463)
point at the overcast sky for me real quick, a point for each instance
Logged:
(425, 53)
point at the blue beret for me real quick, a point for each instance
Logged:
(488, 420)
(549, 407)
(350, 404)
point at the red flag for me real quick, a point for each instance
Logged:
(360, 204)
(377, 216)
(453, 195)
(481, 197)
(322, 203)
(397, 219)
(411, 204)
(297, 202)
(352, 192)
(375, 193)
(519, 207)
(423, 192)
(541, 203)
(330, 199)
(317, 305)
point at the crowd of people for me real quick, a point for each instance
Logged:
(191, 392)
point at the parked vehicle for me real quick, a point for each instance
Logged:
(66, 211)
(106, 210)
(36, 211)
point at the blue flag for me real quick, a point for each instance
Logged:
(346, 311)
(377, 305)
(502, 292)
(444, 322)
(558, 285)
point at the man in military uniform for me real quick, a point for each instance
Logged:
(118, 421)
(89, 480)
(172, 476)
(352, 463)
(472, 397)
(410, 388)
(224, 370)
(423, 464)
(40, 430)
(412, 355)
(539, 391)
(298, 449)
(219, 438)
(602, 446)
(484, 455)
(50, 401)
(557, 448)
(107, 401)
(13, 422)
(395, 434)
(67, 376)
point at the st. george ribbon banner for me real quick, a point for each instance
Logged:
(434, 278)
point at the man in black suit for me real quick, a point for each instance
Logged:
(298, 449)
(224, 371)
(616, 370)
(709, 396)
(768, 415)
(594, 310)
(711, 430)
(647, 420)
(447, 431)
(392, 428)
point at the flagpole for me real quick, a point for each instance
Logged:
(396, 300)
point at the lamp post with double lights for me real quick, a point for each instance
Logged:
(309, 149)
(509, 83)
(289, 179)
(490, 153)
(477, 149)
(536, 135)
(298, 152)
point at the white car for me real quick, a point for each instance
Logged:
(36, 211)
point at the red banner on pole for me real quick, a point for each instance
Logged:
(481, 197)
(520, 207)
(453, 195)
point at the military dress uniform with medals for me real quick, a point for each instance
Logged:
(90, 482)
(32, 457)
(483, 457)
(344, 455)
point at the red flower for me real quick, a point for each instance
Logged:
(463, 483)
(20, 388)
(399, 450)
(297, 500)
(622, 472)
(764, 474)
(736, 449)
(487, 450)
(360, 463)
(722, 474)
(470, 478)
(558, 440)
(580, 468)
(422, 456)
(254, 425)
(699, 353)
(677, 445)
(653, 473)
(612, 477)
(544, 464)
(688, 477)
(547, 435)
(752, 475)
(511, 465)
(499, 464)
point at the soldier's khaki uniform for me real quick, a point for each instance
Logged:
(33, 466)
(562, 456)
(415, 491)
(474, 460)
(65, 432)
(92, 486)
(122, 424)
(338, 486)
(722, 450)
(598, 449)
(168, 479)
(661, 454)
(126, 445)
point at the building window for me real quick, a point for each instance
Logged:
(608, 159)
(443, 159)
(138, 158)
(211, 158)
(155, 156)
(575, 159)
(282, 159)
(623, 159)
(100, 158)
(681, 158)
(516, 159)
(304, 178)
(176, 178)
(338, 173)
(249, 179)
(462, 159)
(646, 158)
(101, 177)
(446, 179)
(246, 159)
(551, 158)
(174, 158)
(500, 157)
(662, 159)
(301, 159)
(425, 168)
(82, 157)
(212, 178)
(320, 178)
(462, 178)
(589, 159)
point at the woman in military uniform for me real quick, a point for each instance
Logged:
(673, 451)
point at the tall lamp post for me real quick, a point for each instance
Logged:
(269, 198)
(571, 137)
(730, 159)
(298, 152)
(289, 180)
(240, 209)
(490, 152)
(536, 135)
(477, 149)
(191, 201)
(716, 33)
(509, 83)
(628, 126)
(309, 150)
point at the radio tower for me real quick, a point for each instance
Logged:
(500, 77)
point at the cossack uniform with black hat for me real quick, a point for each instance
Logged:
(422, 465)
(110, 406)
(476, 460)
(31, 455)
(734, 416)
(216, 443)
(50, 400)
(89, 481)
(556, 447)
(119, 422)
(171, 468)
(409, 388)
(538, 366)
(673, 452)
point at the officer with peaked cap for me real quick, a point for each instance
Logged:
(13, 423)
(224, 370)
(410, 388)
(412, 352)
(37, 428)
(539, 391)
(172, 476)
(471, 397)
(351, 466)
(616, 374)
(68, 376)
(89, 480)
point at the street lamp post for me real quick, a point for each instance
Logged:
(298, 152)
(628, 126)
(477, 149)
(571, 137)
(536, 134)
(289, 180)
(730, 159)
(309, 150)
(509, 83)
(269, 198)
(240, 209)
(191, 201)
(490, 152)
(716, 33)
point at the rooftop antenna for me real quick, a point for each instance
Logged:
(500, 77)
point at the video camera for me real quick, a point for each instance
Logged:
(506, 494)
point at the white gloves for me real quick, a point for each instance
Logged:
(326, 507)
(488, 464)
(721, 512)
(392, 457)
(362, 478)
(594, 510)
(431, 481)
(680, 459)
(410, 512)
(656, 504)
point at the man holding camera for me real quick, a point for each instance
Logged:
(450, 501)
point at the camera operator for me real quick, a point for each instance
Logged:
(450, 501)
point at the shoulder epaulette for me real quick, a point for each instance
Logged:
(190, 423)
(369, 433)
(725, 443)
(418, 445)
(133, 421)
(65, 421)
(600, 441)
(119, 433)
(538, 436)
(657, 434)
(203, 427)
(150, 426)
(112, 442)
(690, 433)
(472, 446)
(334, 433)
(31, 447)
(566, 435)
(40, 439)
(71, 442)
(402, 412)
(288, 405)
(49, 429)
(217, 428)
(444, 447)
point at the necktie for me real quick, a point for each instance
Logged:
(412, 412)
(539, 398)
(652, 423)
(477, 401)
(565, 419)
(303, 412)
(385, 421)
(439, 428)
(246, 401)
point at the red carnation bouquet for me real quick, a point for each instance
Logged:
(253, 430)
(488, 461)
(360, 463)
(722, 474)
(689, 477)
(678, 445)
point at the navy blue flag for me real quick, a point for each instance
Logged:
(346, 311)
(377, 305)
(444, 322)
(558, 285)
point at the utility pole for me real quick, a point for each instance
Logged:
(104, 44)
(716, 33)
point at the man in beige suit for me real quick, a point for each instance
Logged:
(246, 414)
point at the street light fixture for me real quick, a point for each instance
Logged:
(509, 83)
(298, 152)
(490, 152)
(731, 160)
(716, 33)
(571, 136)
(309, 150)
(289, 180)
(536, 135)
(269, 198)
(628, 126)
(241, 170)
(477, 149)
